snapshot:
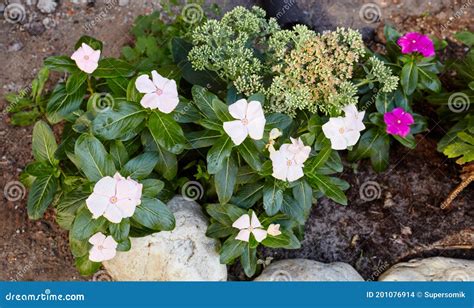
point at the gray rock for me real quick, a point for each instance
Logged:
(431, 269)
(308, 270)
(184, 254)
(123, 2)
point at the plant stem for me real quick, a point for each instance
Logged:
(465, 182)
(89, 85)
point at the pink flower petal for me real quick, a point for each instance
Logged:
(242, 222)
(259, 234)
(239, 109)
(150, 100)
(144, 85)
(97, 204)
(236, 131)
(244, 235)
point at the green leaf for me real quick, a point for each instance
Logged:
(152, 187)
(467, 37)
(408, 141)
(166, 132)
(293, 209)
(379, 155)
(62, 104)
(112, 68)
(277, 120)
(75, 82)
(85, 226)
(85, 266)
(115, 123)
(41, 195)
(118, 86)
(94, 160)
(78, 248)
(92, 42)
(248, 195)
(218, 153)
(224, 180)
(202, 139)
(272, 198)
(249, 261)
(120, 231)
(303, 195)
(319, 160)
(218, 230)
(231, 249)
(154, 214)
(221, 110)
(61, 64)
(204, 101)
(167, 164)
(68, 205)
(280, 241)
(44, 144)
(132, 93)
(250, 154)
(37, 168)
(409, 77)
(24, 118)
(329, 189)
(119, 153)
(141, 166)
(225, 214)
(430, 81)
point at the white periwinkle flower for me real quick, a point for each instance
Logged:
(114, 198)
(288, 161)
(103, 247)
(250, 121)
(274, 229)
(344, 132)
(160, 93)
(86, 58)
(248, 226)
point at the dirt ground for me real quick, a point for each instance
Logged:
(403, 222)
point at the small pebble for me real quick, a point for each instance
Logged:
(16, 46)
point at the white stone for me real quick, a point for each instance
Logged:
(431, 269)
(184, 254)
(308, 270)
(46, 6)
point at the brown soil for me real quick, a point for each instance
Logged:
(404, 222)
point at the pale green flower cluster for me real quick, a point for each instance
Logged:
(382, 74)
(313, 71)
(227, 47)
(296, 69)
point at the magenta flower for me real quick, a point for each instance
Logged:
(416, 42)
(398, 122)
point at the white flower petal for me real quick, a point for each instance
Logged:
(259, 234)
(127, 207)
(236, 130)
(244, 235)
(255, 223)
(113, 214)
(97, 239)
(87, 49)
(274, 229)
(238, 109)
(95, 56)
(144, 84)
(294, 172)
(110, 243)
(106, 186)
(158, 80)
(95, 255)
(256, 127)
(97, 204)
(338, 143)
(254, 110)
(167, 102)
(108, 254)
(242, 222)
(150, 100)
(352, 137)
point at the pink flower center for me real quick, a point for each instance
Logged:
(289, 163)
(341, 130)
(398, 121)
(245, 121)
(113, 199)
(100, 247)
(86, 57)
(251, 229)
(158, 92)
(414, 41)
